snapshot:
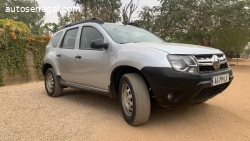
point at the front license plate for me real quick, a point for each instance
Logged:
(217, 80)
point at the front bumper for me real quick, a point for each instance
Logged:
(186, 88)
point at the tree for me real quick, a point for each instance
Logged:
(63, 19)
(75, 16)
(34, 20)
(230, 41)
(99, 8)
(85, 4)
(128, 10)
(53, 27)
(146, 18)
(199, 21)
(113, 8)
(50, 28)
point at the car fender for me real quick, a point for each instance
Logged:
(137, 57)
(50, 59)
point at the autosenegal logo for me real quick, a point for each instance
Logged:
(47, 10)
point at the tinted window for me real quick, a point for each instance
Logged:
(56, 39)
(70, 38)
(89, 34)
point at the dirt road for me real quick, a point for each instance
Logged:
(27, 113)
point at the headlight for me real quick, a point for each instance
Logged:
(183, 63)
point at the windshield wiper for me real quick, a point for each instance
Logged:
(124, 42)
(128, 42)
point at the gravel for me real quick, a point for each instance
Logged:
(27, 113)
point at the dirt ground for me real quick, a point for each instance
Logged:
(27, 113)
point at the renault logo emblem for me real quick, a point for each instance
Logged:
(216, 63)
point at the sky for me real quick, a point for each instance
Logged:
(52, 17)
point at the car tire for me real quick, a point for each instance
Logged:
(134, 99)
(52, 86)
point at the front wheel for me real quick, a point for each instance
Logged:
(134, 99)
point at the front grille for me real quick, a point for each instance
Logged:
(206, 62)
(223, 66)
(204, 69)
(203, 57)
(211, 91)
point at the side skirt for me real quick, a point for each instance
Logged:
(83, 87)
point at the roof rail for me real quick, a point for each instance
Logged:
(93, 20)
(133, 24)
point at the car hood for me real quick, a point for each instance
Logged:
(176, 48)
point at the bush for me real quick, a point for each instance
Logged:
(14, 45)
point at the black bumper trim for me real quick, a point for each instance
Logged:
(187, 88)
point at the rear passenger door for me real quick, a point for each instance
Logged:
(65, 57)
(92, 65)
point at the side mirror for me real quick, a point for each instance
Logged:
(98, 44)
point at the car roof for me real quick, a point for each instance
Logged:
(96, 21)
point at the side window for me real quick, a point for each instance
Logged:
(56, 39)
(88, 35)
(69, 39)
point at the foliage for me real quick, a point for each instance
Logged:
(147, 16)
(37, 46)
(34, 20)
(206, 23)
(89, 9)
(14, 25)
(14, 45)
(50, 27)
(63, 19)
(99, 8)
(128, 10)
(231, 41)
(53, 27)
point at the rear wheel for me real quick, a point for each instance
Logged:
(52, 86)
(134, 99)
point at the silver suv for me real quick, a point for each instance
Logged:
(134, 65)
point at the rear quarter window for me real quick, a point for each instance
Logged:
(56, 38)
(69, 39)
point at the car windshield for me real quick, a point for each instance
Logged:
(130, 34)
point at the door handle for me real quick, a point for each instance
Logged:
(78, 57)
(58, 55)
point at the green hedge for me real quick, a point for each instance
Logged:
(13, 52)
